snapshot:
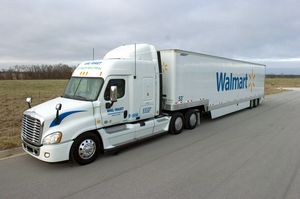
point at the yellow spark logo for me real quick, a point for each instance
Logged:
(251, 84)
(164, 67)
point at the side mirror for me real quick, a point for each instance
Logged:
(113, 93)
(29, 100)
(58, 108)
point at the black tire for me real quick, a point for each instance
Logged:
(176, 123)
(257, 103)
(85, 148)
(190, 119)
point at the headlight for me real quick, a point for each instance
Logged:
(53, 138)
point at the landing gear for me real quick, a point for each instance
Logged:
(254, 103)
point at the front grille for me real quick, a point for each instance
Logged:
(31, 130)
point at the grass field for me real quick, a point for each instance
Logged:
(272, 84)
(14, 92)
(12, 99)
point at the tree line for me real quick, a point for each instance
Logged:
(56, 71)
(282, 76)
(60, 71)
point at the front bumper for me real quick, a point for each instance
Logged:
(49, 153)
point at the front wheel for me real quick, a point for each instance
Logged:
(85, 148)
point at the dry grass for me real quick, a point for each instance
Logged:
(273, 85)
(12, 99)
(14, 92)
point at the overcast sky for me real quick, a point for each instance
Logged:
(66, 31)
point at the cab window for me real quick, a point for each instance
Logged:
(120, 83)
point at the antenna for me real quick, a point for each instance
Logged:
(134, 61)
(93, 53)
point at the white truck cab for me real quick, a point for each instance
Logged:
(101, 107)
(135, 92)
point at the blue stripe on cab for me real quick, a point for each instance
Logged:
(61, 117)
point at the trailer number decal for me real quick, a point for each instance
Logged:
(180, 98)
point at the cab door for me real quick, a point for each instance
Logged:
(115, 112)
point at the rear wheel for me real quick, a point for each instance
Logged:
(191, 119)
(85, 148)
(176, 123)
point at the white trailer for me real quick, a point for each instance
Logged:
(219, 85)
(134, 93)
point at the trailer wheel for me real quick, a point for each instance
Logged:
(176, 123)
(85, 148)
(191, 119)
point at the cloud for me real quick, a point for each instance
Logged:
(66, 31)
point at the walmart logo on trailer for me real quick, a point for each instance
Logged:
(226, 82)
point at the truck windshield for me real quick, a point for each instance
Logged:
(83, 88)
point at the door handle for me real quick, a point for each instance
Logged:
(125, 114)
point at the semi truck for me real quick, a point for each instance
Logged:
(136, 92)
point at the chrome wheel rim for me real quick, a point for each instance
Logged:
(87, 149)
(193, 119)
(178, 123)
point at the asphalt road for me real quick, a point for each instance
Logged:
(251, 154)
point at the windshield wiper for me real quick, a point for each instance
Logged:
(67, 96)
(79, 97)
